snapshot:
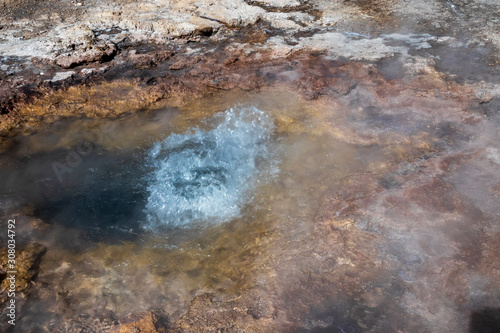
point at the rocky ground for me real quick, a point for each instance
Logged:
(409, 245)
(55, 43)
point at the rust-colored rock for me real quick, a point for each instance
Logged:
(27, 264)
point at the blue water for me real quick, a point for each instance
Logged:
(203, 176)
(206, 176)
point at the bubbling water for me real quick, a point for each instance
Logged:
(206, 176)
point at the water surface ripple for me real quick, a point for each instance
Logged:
(205, 176)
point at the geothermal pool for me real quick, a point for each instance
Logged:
(238, 193)
(166, 207)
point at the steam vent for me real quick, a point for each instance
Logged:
(250, 166)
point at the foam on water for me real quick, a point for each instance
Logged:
(207, 175)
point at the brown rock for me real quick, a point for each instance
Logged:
(207, 313)
(98, 53)
(184, 63)
(144, 322)
(27, 264)
(262, 307)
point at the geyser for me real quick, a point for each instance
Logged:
(206, 176)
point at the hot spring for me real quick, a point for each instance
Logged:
(208, 175)
(268, 203)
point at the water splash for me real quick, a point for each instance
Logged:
(207, 176)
